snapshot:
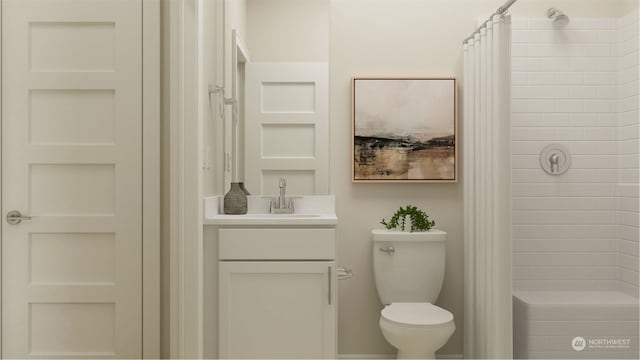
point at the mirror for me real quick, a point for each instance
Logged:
(239, 58)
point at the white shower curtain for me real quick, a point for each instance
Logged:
(487, 191)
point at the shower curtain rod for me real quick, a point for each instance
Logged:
(501, 10)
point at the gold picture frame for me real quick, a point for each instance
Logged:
(404, 129)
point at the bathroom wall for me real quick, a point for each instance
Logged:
(379, 37)
(576, 86)
(288, 30)
(411, 37)
(628, 134)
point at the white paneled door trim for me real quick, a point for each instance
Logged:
(150, 176)
(186, 213)
(151, 258)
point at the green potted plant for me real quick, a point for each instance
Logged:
(418, 220)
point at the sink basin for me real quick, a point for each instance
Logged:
(316, 210)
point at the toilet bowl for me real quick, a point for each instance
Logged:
(417, 330)
(409, 272)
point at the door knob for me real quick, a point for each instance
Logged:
(14, 217)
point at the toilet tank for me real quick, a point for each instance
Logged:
(414, 270)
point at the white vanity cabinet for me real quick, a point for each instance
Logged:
(277, 292)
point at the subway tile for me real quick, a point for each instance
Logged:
(559, 78)
(629, 161)
(628, 262)
(548, 134)
(540, 64)
(536, 120)
(600, 50)
(607, 148)
(540, 92)
(563, 203)
(628, 46)
(629, 132)
(629, 147)
(519, 23)
(565, 245)
(557, 217)
(519, 78)
(572, 176)
(607, 92)
(628, 204)
(628, 175)
(572, 106)
(607, 36)
(629, 117)
(629, 233)
(565, 259)
(559, 272)
(628, 190)
(583, 119)
(631, 277)
(568, 285)
(577, 86)
(629, 218)
(583, 64)
(519, 51)
(607, 64)
(600, 106)
(629, 89)
(604, 78)
(629, 103)
(600, 133)
(569, 231)
(630, 60)
(628, 247)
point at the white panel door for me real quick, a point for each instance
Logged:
(277, 310)
(287, 127)
(72, 160)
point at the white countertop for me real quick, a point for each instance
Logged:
(309, 211)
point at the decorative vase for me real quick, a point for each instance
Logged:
(235, 202)
(244, 189)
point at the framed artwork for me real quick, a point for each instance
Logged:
(404, 129)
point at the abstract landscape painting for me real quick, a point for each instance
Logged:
(404, 129)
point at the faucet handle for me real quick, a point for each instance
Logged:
(282, 183)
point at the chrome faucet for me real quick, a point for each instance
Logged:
(281, 205)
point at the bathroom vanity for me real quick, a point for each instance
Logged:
(276, 279)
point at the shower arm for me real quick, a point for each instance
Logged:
(501, 10)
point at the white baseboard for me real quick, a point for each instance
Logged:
(392, 356)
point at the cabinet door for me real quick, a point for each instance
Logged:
(277, 310)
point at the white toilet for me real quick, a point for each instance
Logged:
(409, 272)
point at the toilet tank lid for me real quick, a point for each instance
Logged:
(433, 235)
(416, 314)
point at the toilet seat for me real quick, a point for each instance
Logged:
(416, 314)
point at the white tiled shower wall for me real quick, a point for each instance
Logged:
(576, 86)
(628, 136)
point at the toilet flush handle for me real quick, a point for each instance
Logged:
(389, 250)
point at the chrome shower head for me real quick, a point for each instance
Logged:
(558, 18)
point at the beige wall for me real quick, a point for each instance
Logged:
(288, 30)
(403, 37)
(378, 37)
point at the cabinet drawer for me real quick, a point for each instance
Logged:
(276, 244)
